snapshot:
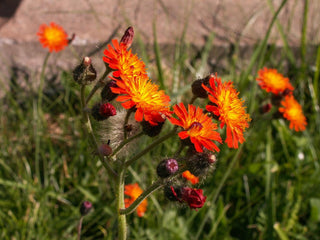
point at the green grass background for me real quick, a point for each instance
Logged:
(266, 189)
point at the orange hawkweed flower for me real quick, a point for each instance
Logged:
(292, 111)
(53, 37)
(134, 86)
(229, 108)
(134, 191)
(197, 126)
(123, 61)
(272, 81)
(190, 177)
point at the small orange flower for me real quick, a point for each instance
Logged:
(123, 61)
(53, 37)
(272, 81)
(229, 108)
(134, 191)
(190, 177)
(292, 111)
(197, 126)
(134, 86)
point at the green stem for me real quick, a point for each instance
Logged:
(155, 186)
(38, 122)
(79, 228)
(193, 99)
(87, 124)
(124, 142)
(42, 78)
(152, 145)
(120, 205)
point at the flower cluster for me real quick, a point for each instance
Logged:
(126, 81)
(272, 81)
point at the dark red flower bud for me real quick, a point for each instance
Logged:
(85, 208)
(104, 149)
(106, 93)
(127, 37)
(167, 167)
(84, 73)
(197, 88)
(266, 108)
(102, 111)
(193, 197)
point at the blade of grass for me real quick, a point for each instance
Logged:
(268, 187)
(158, 57)
(287, 49)
(260, 51)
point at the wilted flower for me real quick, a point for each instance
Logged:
(193, 197)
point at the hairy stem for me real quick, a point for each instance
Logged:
(87, 124)
(122, 228)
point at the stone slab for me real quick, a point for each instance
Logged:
(94, 21)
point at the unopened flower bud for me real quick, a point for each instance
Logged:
(198, 164)
(265, 108)
(173, 193)
(167, 167)
(102, 111)
(104, 150)
(85, 208)
(84, 73)
(151, 130)
(106, 93)
(197, 88)
(127, 37)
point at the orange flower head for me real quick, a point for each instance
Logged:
(53, 37)
(272, 81)
(134, 191)
(134, 86)
(229, 108)
(292, 111)
(124, 62)
(190, 177)
(197, 126)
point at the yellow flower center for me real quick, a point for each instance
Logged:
(275, 80)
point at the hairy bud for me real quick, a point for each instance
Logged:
(197, 88)
(127, 37)
(167, 167)
(85, 208)
(102, 111)
(106, 93)
(84, 73)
